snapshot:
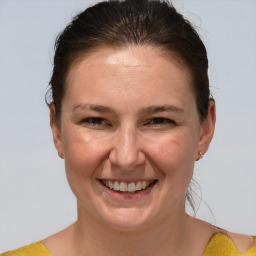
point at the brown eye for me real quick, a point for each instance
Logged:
(95, 122)
(158, 121)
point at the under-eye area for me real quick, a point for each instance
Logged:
(130, 187)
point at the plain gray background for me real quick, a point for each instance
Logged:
(35, 200)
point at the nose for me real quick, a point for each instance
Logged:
(126, 153)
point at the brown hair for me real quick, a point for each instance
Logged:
(136, 22)
(132, 22)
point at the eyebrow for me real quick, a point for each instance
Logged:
(92, 107)
(162, 108)
(148, 110)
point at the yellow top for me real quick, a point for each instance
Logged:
(219, 245)
(35, 249)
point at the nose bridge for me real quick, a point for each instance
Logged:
(126, 152)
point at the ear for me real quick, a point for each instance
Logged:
(55, 126)
(207, 131)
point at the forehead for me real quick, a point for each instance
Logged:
(130, 73)
(129, 55)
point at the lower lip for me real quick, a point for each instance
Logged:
(126, 196)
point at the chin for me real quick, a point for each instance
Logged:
(127, 219)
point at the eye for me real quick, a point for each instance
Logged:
(159, 122)
(96, 122)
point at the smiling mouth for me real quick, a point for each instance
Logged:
(130, 187)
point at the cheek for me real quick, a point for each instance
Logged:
(173, 155)
(84, 155)
(176, 149)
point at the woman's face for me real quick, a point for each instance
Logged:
(129, 133)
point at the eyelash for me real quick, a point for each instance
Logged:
(159, 121)
(101, 122)
(95, 121)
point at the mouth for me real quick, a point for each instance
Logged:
(128, 187)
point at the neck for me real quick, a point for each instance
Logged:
(92, 237)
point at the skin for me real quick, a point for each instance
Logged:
(130, 114)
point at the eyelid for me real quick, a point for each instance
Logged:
(162, 121)
(99, 122)
(95, 122)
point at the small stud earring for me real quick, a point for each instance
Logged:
(200, 156)
(60, 155)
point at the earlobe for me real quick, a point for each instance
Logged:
(199, 156)
(207, 131)
(56, 131)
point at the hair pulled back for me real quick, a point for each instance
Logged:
(131, 22)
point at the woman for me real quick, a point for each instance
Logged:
(130, 114)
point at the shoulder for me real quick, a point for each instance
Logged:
(35, 249)
(216, 241)
(242, 242)
(227, 243)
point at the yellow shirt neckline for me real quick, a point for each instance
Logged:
(219, 244)
(222, 244)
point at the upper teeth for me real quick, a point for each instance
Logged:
(126, 187)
